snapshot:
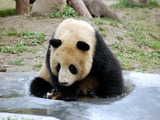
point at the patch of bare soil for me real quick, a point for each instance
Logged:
(25, 23)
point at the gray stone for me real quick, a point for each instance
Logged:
(141, 102)
(11, 116)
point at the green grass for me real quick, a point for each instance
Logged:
(103, 21)
(39, 65)
(17, 48)
(23, 42)
(143, 54)
(7, 12)
(25, 34)
(120, 38)
(66, 13)
(125, 3)
(101, 24)
(136, 32)
(17, 62)
(100, 21)
(141, 51)
(132, 58)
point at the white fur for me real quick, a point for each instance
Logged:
(70, 31)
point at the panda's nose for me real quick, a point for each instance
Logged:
(63, 83)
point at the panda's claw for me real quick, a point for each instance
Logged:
(54, 94)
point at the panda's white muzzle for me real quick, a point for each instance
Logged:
(65, 77)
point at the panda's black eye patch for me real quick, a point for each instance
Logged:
(55, 42)
(58, 67)
(73, 69)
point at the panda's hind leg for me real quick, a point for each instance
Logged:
(88, 86)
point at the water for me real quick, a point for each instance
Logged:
(140, 102)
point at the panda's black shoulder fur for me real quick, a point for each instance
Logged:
(107, 70)
(104, 56)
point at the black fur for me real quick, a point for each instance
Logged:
(69, 93)
(105, 68)
(55, 43)
(39, 87)
(32, 1)
(83, 46)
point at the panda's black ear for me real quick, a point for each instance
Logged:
(55, 42)
(83, 45)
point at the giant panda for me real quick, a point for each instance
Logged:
(78, 63)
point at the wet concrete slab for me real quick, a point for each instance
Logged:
(141, 103)
(11, 116)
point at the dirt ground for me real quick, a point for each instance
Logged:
(47, 25)
(25, 23)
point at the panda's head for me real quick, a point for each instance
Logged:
(72, 51)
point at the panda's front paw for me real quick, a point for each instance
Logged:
(54, 94)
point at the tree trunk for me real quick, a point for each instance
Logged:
(80, 7)
(99, 8)
(22, 7)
